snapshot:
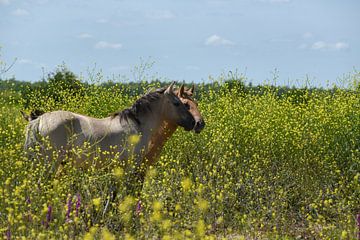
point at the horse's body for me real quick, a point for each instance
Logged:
(66, 130)
(153, 119)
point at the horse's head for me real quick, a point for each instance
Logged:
(182, 109)
(175, 111)
(185, 96)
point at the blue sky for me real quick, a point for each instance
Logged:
(187, 40)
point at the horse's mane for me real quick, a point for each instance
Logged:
(140, 106)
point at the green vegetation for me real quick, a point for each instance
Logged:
(271, 163)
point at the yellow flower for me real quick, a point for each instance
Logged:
(186, 184)
(126, 204)
(90, 234)
(166, 237)
(188, 233)
(118, 172)
(42, 236)
(96, 202)
(203, 204)
(220, 220)
(166, 224)
(177, 207)
(125, 208)
(157, 205)
(107, 235)
(152, 172)
(156, 216)
(45, 208)
(134, 139)
(129, 237)
(344, 235)
(7, 182)
(200, 228)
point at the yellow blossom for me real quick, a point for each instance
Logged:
(186, 184)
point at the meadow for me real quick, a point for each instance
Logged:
(270, 164)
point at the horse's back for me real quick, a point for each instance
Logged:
(67, 128)
(65, 131)
(61, 127)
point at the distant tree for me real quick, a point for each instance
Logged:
(356, 80)
(235, 82)
(56, 89)
(63, 84)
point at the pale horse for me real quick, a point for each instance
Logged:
(151, 120)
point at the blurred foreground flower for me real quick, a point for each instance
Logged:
(134, 139)
(186, 184)
(107, 235)
(96, 202)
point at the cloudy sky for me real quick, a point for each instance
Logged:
(187, 40)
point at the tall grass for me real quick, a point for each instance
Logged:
(265, 166)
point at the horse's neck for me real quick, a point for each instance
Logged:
(158, 140)
(155, 131)
(150, 125)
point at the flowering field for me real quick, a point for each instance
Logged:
(266, 166)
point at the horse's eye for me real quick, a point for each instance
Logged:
(187, 106)
(177, 103)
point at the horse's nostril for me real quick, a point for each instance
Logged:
(198, 124)
(193, 123)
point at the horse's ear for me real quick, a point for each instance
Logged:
(181, 90)
(191, 90)
(170, 88)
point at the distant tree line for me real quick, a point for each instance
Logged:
(64, 80)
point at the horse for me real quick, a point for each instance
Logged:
(148, 123)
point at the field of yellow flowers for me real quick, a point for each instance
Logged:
(266, 166)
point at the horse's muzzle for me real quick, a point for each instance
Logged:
(188, 125)
(199, 125)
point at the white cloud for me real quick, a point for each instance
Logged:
(104, 45)
(321, 45)
(307, 35)
(160, 15)
(4, 2)
(216, 40)
(20, 12)
(84, 35)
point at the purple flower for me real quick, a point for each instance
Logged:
(138, 207)
(78, 204)
(8, 234)
(48, 215)
(69, 205)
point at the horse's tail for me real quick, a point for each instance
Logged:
(33, 115)
(31, 138)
